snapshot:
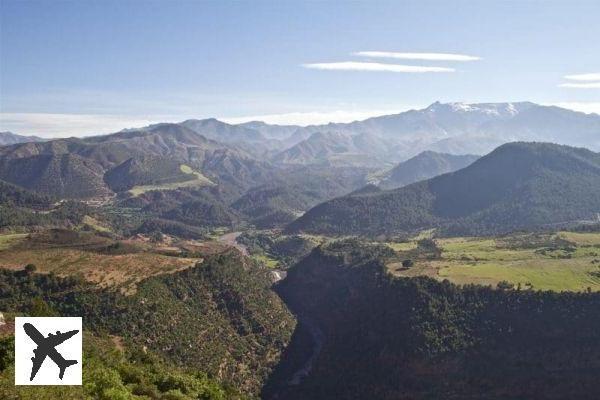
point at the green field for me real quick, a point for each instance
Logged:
(7, 240)
(564, 261)
(266, 260)
(199, 180)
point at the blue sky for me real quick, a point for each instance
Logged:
(74, 68)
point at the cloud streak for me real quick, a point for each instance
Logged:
(586, 85)
(584, 77)
(417, 56)
(374, 67)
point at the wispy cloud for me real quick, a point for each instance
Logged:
(50, 125)
(377, 67)
(584, 77)
(417, 56)
(586, 85)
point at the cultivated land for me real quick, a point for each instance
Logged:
(97, 260)
(564, 261)
(199, 180)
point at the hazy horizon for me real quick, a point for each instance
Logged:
(113, 123)
(65, 72)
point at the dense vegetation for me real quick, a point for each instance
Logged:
(422, 339)
(216, 330)
(287, 250)
(61, 175)
(220, 317)
(517, 186)
(114, 373)
(66, 214)
(14, 196)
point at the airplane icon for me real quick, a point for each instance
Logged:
(46, 347)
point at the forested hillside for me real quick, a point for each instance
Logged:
(517, 186)
(423, 166)
(219, 318)
(421, 339)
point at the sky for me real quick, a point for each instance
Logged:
(74, 68)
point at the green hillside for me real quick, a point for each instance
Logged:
(219, 318)
(12, 195)
(114, 372)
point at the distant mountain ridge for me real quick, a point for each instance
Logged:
(269, 174)
(425, 165)
(460, 128)
(332, 148)
(517, 186)
(8, 138)
(453, 128)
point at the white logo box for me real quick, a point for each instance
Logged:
(67, 353)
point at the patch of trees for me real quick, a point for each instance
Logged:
(110, 374)
(286, 249)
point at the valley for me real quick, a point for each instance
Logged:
(221, 261)
(299, 200)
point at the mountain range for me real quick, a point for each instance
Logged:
(459, 128)
(270, 174)
(101, 165)
(453, 128)
(517, 186)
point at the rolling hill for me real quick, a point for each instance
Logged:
(517, 186)
(425, 165)
(98, 166)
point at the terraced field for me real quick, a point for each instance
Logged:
(564, 261)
